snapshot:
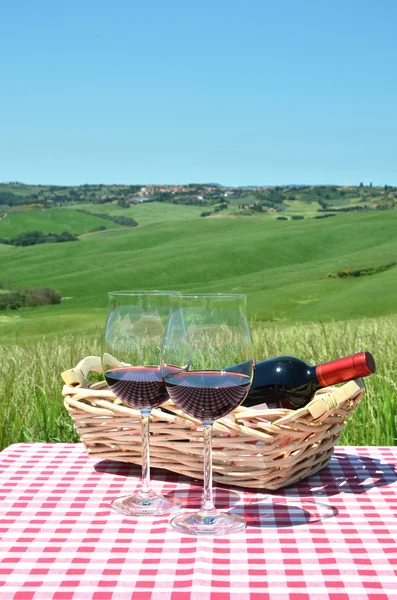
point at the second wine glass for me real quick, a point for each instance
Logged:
(207, 369)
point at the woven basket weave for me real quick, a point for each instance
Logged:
(257, 449)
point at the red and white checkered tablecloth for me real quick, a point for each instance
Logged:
(331, 537)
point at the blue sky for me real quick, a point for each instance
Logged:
(176, 91)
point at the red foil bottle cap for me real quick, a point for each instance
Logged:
(344, 369)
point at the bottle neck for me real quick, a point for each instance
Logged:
(344, 369)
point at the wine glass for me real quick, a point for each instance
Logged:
(131, 352)
(207, 364)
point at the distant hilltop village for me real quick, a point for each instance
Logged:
(212, 197)
(201, 191)
(201, 194)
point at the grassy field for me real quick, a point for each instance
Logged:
(147, 213)
(50, 220)
(282, 266)
(31, 404)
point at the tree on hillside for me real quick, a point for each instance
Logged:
(123, 203)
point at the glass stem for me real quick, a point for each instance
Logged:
(207, 503)
(145, 487)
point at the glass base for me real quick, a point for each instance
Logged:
(201, 524)
(145, 504)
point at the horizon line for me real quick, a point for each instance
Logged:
(213, 184)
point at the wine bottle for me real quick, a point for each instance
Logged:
(288, 382)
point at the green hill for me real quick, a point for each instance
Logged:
(146, 213)
(50, 220)
(282, 266)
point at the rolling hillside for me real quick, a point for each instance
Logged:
(146, 213)
(282, 266)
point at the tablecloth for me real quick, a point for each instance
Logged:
(330, 537)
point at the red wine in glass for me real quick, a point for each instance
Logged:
(140, 387)
(207, 395)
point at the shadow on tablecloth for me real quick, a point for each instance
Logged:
(189, 490)
(258, 508)
(284, 512)
(305, 502)
(297, 504)
(347, 473)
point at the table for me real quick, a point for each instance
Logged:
(331, 537)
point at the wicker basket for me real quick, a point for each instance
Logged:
(257, 449)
